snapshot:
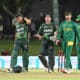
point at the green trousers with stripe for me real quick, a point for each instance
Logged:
(20, 44)
(67, 53)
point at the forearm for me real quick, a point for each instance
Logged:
(29, 35)
(28, 21)
(39, 36)
(59, 34)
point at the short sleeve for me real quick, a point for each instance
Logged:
(40, 30)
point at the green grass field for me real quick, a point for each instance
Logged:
(39, 74)
(8, 45)
(34, 47)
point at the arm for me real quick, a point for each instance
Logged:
(29, 36)
(59, 34)
(27, 20)
(39, 36)
(40, 32)
(14, 21)
(55, 31)
(29, 32)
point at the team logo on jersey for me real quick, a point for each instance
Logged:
(20, 29)
(48, 30)
(67, 29)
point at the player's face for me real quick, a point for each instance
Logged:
(68, 17)
(20, 19)
(48, 19)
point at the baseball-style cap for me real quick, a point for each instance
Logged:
(78, 18)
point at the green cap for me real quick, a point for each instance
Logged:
(78, 18)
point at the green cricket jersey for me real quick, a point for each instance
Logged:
(67, 31)
(21, 30)
(46, 29)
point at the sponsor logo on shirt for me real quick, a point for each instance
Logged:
(48, 30)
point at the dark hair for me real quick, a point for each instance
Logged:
(19, 15)
(67, 13)
(48, 14)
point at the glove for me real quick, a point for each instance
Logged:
(52, 38)
(59, 43)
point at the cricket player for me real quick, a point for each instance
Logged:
(21, 42)
(78, 40)
(66, 34)
(45, 31)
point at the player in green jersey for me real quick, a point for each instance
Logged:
(45, 31)
(21, 42)
(78, 40)
(66, 34)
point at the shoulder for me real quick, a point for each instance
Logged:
(62, 23)
(52, 23)
(42, 25)
(17, 23)
(74, 23)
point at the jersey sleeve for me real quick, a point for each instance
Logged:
(75, 29)
(40, 30)
(54, 27)
(75, 26)
(60, 32)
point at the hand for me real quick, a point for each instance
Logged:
(57, 42)
(38, 36)
(28, 21)
(55, 33)
(53, 38)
